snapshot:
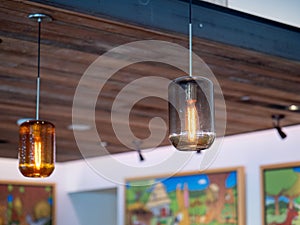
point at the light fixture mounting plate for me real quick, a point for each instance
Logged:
(278, 116)
(39, 17)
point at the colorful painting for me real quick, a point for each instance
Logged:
(26, 204)
(281, 194)
(215, 197)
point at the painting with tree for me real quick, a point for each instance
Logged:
(213, 197)
(281, 194)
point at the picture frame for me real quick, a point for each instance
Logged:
(211, 197)
(280, 191)
(26, 203)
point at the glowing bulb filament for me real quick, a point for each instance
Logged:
(192, 120)
(37, 154)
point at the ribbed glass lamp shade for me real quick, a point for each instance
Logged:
(36, 148)
(191, 113)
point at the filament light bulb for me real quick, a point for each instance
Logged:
(37, 153)
(192, 121)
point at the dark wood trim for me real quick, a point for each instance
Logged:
(218, 23)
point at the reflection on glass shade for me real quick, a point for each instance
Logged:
(191, 113)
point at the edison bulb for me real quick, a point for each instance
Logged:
(192, 121)
(37, 153)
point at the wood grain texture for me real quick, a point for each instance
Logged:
(72, 41)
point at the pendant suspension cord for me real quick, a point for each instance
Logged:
(38, 72)
(190, 39)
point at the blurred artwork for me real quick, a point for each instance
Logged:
(26, 204)
(281, 191)
(190, 199)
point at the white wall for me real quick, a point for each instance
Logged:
(278, 10)
(282, 11)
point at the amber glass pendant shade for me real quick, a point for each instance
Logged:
(36, 148)
(191, 113)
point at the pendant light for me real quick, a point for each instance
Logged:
(37, 137)
(191, 108)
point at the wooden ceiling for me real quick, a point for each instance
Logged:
(255, 85)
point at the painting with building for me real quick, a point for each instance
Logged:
(211, 197)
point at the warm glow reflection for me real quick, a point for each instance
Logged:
(192, 120)
(37, 154)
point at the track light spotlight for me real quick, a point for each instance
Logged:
(140, 155)
(280, 132)
(137, 144)
(276, 119)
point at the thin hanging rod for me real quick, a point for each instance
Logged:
(38, 72)
(38, 17)
(190, 39)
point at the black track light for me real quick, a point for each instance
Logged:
(137, 144)
(276, 119)
(140, 155)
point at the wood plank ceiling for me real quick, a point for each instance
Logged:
(255, 85)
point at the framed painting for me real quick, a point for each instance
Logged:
(281, 194)
(211, 197)
(27, 203)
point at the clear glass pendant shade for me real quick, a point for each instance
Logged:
(36, 148)
(191, 113)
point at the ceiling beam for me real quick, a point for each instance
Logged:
(210, 21)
